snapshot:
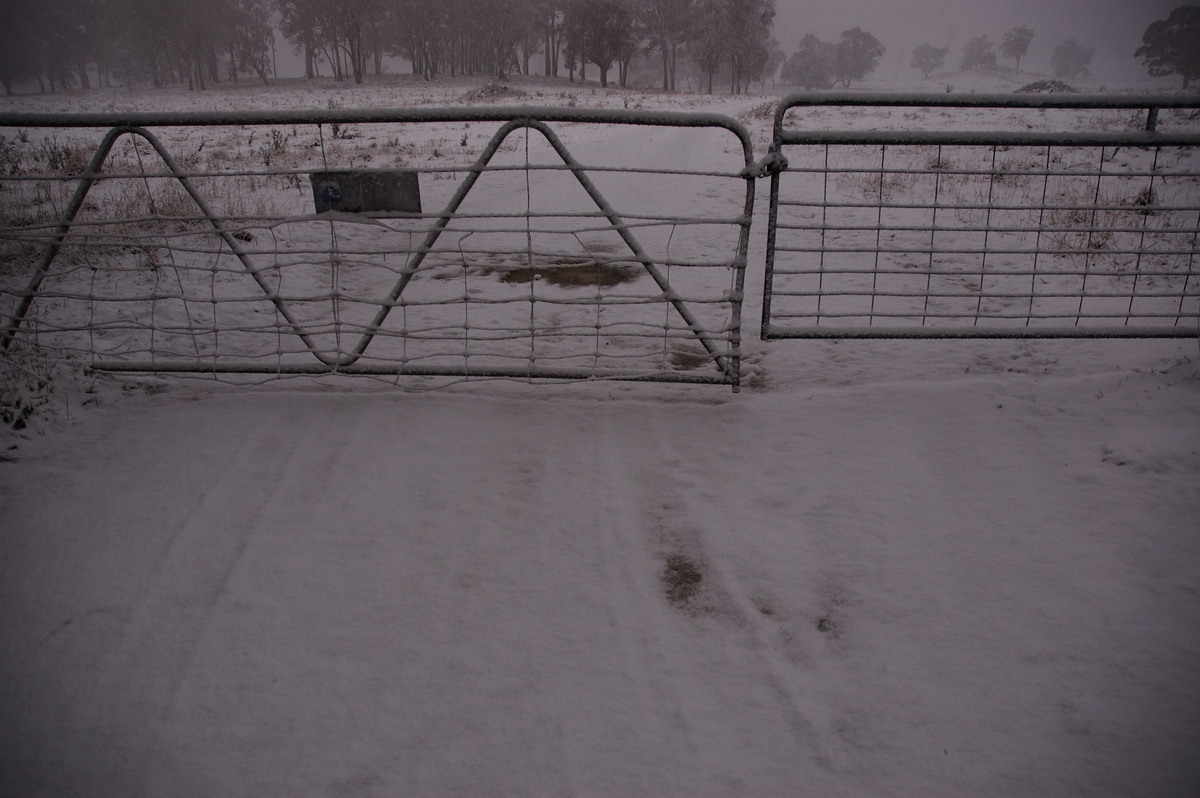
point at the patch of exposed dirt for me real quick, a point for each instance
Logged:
(689, 359)
(681, 578)
(573, 273)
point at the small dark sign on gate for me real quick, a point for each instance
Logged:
(367, 191)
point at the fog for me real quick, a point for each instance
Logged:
(1113, 27)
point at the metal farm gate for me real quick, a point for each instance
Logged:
(589, 244)
(464, 241)
(983, 216)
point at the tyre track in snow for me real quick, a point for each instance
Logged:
(158, 659)
(302, 450)
(649, 672)
(694, 496)
(118, 702)
(629, 511)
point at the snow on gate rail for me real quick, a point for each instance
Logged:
(612, 245)
(983, 215)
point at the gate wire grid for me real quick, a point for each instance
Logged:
(189, 244)
(1028, 231)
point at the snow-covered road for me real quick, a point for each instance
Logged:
(983, 585)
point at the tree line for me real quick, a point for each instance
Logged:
(818, 64)
(1170, 46)
(63, 44)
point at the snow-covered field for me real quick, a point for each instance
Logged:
(927, 568)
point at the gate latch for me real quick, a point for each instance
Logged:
(773, 162)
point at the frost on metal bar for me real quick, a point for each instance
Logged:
(987, 216)
(552, 243)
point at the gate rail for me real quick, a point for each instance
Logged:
(158, 257)
(1036, 225)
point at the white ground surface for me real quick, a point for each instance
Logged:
(925, 569)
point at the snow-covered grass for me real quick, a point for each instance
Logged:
(927, 568)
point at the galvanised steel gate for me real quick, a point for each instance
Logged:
(569, 243)
(574, 244)
(983, 216)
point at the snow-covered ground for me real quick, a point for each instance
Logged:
(927, 568)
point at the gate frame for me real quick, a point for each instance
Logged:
(513, 118)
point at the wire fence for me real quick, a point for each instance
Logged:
(1065, 216)
(513, 242)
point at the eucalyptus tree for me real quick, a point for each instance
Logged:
(600, 32)
(547, 19)
(1171, 46)
(667, 24)
(300, 21)
(1016, 43)
(927, 58)
(1071, 59)
(978, 52)
(749, 33)
(252, 37)
(811, 66)
(856, 56)
(707, 44)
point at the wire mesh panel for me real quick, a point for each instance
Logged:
(1000, 216)
(543, 243)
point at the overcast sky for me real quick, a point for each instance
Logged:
(1113, 27)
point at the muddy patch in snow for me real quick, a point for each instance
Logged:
(682, 579)
(572, 272)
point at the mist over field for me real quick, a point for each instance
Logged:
(686, 45)
(1113, 27)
